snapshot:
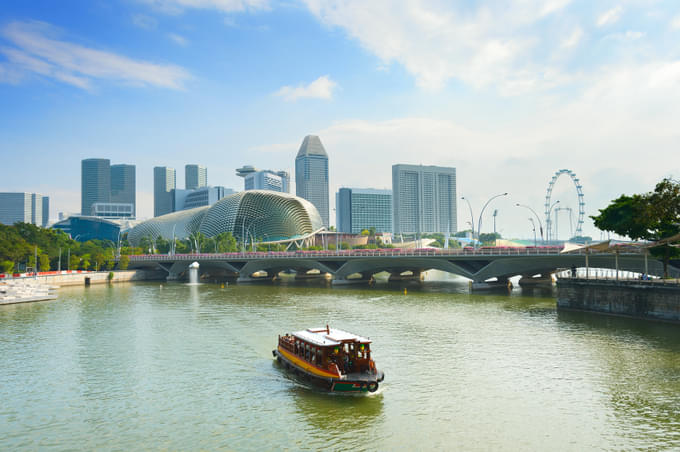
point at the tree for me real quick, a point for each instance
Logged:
(123, 262)
(651, 216)
(6, 266)
(74, 262)
(44, 262)
(85, 261)
(489, 238)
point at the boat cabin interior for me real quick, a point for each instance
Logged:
(330, 349)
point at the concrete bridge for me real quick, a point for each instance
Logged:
(356, 266)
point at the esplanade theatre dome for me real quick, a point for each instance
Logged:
(268, 216)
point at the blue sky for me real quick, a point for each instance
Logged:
(508, 92)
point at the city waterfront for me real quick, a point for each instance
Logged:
(189, 367)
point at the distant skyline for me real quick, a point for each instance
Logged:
(506, 92)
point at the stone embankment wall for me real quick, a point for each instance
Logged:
(81, 278)
(655, 300)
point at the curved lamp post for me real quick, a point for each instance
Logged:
(472, 217)
(540, 225)
(548, 220)
(479, 223)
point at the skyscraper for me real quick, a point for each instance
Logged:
(256, 179)
(424, 199)
(363, 208)
(195, 176)
(95, 183)
(164, 181)
(123, 185)
(311, 175)
(24, 207)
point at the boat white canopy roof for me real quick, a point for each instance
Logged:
(329, 337)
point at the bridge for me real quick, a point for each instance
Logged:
(499, 264)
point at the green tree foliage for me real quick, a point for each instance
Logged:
(44, 263)
(650, 216)
(489, 238)
(123, 262)
(6, 267)
(74, 262)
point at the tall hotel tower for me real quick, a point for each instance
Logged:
(164, 181)
(311, 175)
(95, 184)
(424, 199)
(195, 176)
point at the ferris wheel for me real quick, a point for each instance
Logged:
(549, 206)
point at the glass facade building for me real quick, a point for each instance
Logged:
(123, 186)
(95, 183)
(164, 182)
(311, 175)
(358, 209)
(82, 228)
(424, 199)
(195, 176)
(25, 208)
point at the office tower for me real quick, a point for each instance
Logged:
(123, 186)
(204, 196)
(424, 199)
(24, 207)
(45, 210)
(363, 208)
(311, 175)
(195, 176)
(256, 179)
(164, 181)
(95, 183)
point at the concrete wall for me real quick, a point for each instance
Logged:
(78, 279)
(646, 300)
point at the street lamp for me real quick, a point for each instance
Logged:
(472, 217)
(540, 225)
(479, 223)
(548, 220)
(534, 229)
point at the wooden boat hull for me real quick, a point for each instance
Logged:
(354, 383)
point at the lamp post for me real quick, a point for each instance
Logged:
(548, 220)
(479, 223)
(533, 225)
(472, 216)
(540, 225)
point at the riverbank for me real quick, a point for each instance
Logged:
(652, 300)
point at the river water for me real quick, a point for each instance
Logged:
(179, 367)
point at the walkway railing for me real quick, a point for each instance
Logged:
(423, 252)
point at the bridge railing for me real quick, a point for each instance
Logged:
(389, 252)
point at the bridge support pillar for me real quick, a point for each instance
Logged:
(175, 270)
(364, 279)
(542, 280)
(416, 275)
(256, 278)
(503, 284)
(302, 274)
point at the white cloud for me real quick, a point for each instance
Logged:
(438, 41)
(226, 6)
(573, 39)
(144, 21)
(610, 17)
(178, 39)
(37, 50)
(675, 23)
(321, 88)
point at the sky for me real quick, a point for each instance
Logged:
(509, 92)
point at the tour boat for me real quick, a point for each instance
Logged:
(332, 359)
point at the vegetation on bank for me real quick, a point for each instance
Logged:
(653, 216)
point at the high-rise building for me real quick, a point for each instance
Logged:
(363, 208)
(164, 182)
(311, 175)
(424, 199)
(24, 207)
(95, 183)
(195, 176)
(204, 196)
(256, 179)
(123, 186)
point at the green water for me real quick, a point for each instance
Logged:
(140, 367)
